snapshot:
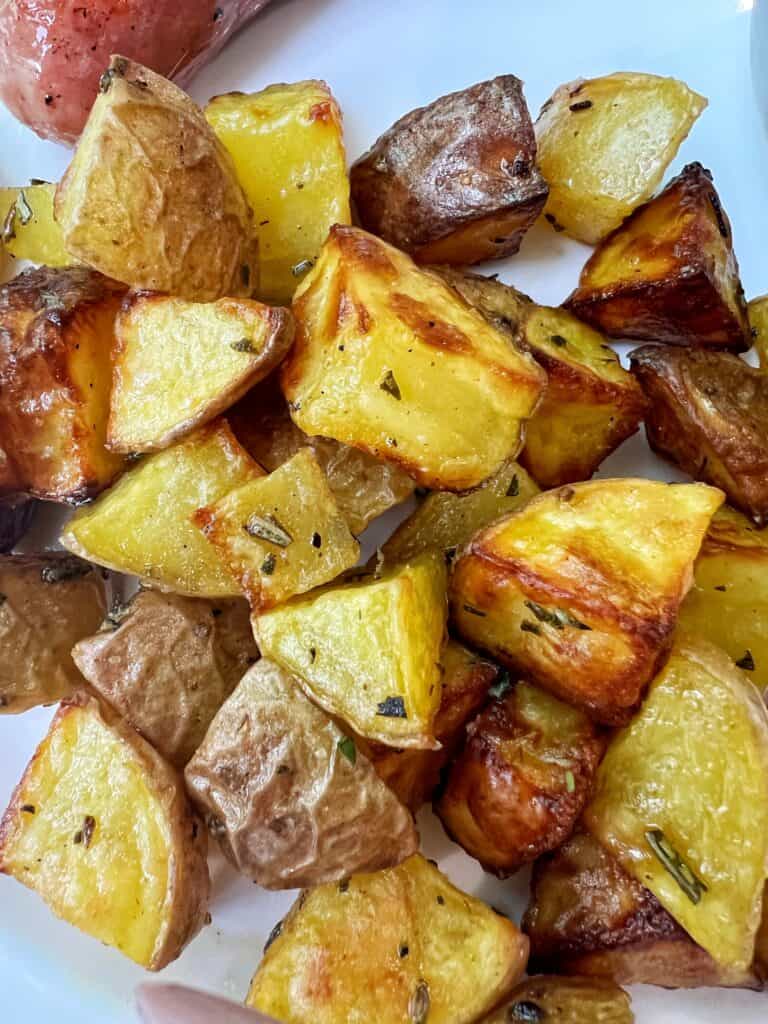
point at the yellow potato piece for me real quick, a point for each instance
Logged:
(757, 311)
(681, 799)
(565, 1001)
(29, 230)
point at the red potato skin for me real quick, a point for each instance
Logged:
(53, 52)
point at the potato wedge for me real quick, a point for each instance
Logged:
(728, 602)
(565, 1001)
(757, 312)
(47, 603)
(143, 525)
(167, 664)
(290, 798)
(29, 230)
(56, 334)
(455, 181)
(282, 534)
(287, 147)
(521, 780)
(579, 591)
(669, 273)
(659, 784)
(177, 364)
(368, 650)
(398, 945)
(708, 413)
(151, 197)
(604, 144)
(101, 829)
(389, 359)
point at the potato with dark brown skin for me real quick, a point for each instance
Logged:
(708, 414)
(455, 181)
(669, 273)
(522, 779)
(553, 1000)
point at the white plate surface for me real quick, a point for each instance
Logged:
(382, 59)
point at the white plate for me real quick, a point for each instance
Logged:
(382, 59)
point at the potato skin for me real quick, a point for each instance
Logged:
(708, 413)
(455, 181)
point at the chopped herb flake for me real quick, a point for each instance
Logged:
(559, 340)
(403, 950)
(570, 782)
(312, 655)
(28, 808)
(268, 528)
(390, 385)
(84, 835)
(441, 900)
(64, 569)
(299, 268)
(581, 105)
(392, 707)
(502, 685)
(23, 208)
(274, 934)
(317, 540)
(530, 627)
(418, 1005)
(9, 224)
(550, 217)
(526, 1012)
(474, 611)
(268, 565)
(558, 618)
(747, 662)
(671, 860)
(714, 199)
(514, 487)
(243, 345)
(722, 587)
(344, 885)
(347, 747)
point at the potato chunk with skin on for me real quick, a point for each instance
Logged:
(398, 945)
(455, 181)
(579, 591)
(177, 364)
(287, 147)
(56, 334)
(151, 197)
(604, 144)
(143, 525)
(659, 784)
(521, 780)
(29, 230)
(389, 359)
(708, 414)
(289, 796)
(167, 664)
(368, 650)
(669, 273)
(565, 1001)
(48, 602)
(101, 829)
(757, 311)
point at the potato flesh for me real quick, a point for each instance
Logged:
(565, 1001)
(660, 773)
(287, 147)
(30, 232)
(601, 161)
(757, 311)
(339, 955)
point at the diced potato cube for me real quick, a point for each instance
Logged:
(29, 230)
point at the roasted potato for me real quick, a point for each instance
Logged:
(288, 795)
(579, 591)
(757, 312)
(456, 181)
(604, 144)
(16, 515)
(151, 197)
(143, 525)
(177, 364)
(29, 230)
(564, 1001)
(669, 273)
(728, 602)
(398, 945)
(282, 534)
(287, 147)
(708, 413)
(101, 829)
(587, 916)
(47, 603)
(368, 650)
(591, 404)
(521, 780)
(167, 664)
(389, 359)
(56, 334)
(690, 826)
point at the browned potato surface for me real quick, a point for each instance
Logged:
(288, 795)
(564, 1001)
(167, 663)
(455, 181)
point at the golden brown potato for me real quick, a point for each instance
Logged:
(362, 485)
(708, 413)
(669, 273)
(167, 664)
(151, 197)
(56, 334)
(564, 1001)
(101, 829)
(588, 916)
(398, 945)
(289, 796)
(456, 181)
(604, 144)
(757, 311)
(282, 534)
(287, 147)
(47, 603)
(521, 780)
(579, 591)
(212, 353)
(29, 230)
(690, 826)
(389, 359)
